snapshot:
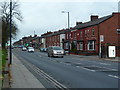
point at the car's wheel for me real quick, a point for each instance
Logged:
(61, 56)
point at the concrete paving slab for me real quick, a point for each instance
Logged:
(22, 77)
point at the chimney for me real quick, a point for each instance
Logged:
(77, 23)
(94, 17)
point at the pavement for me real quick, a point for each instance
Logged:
(21, 77)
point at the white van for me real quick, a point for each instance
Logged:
(55, 51)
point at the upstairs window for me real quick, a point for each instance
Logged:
(80, 33)
(75, 36)
(93, 32)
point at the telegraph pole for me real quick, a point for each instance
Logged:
(10, 31)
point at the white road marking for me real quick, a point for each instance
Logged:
(88, 69)
(105, 68)
(68, 64)
(105, 64)
(61, 62)
(39, 55)
(114, 76)
(77, 66)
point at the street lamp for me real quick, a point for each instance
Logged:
(69, 31)
(10, 31)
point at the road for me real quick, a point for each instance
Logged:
(71, 71)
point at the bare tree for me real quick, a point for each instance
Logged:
(5, 15)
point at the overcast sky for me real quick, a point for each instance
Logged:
(42, 16)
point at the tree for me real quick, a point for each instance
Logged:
(5, 15)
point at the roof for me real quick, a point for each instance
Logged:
(92, 23)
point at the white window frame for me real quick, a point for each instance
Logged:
(66, 45)
(81, 46)
(93, 45)
(77, 46)
(81, 33)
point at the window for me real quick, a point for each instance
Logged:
(81, 45)
(77, 46)
(91, 45)
(75, 36)
(67, 35)
(80, 33)
(66, 45)
(93, 32)
(85, 32)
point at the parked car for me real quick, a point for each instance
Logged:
(24, 48)
(30, 49)
(43, 49)
(55, 51)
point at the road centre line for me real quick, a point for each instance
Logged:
(105, 64)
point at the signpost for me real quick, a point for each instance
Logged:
(101, 40)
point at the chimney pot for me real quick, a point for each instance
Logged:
(77, 23)
(94, 17)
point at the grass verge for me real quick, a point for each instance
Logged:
(3, 56)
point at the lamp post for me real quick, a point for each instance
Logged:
(68, 31)
(10, 31)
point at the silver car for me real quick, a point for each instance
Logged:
(55, 51)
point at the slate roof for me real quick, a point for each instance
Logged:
(92, 23)
(80, 26)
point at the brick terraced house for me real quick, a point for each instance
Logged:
(90, 37)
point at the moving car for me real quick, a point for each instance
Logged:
(24, 48)
(55, 51)
(30, 49)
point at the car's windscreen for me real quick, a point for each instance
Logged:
(57, 48)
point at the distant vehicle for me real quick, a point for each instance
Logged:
(43, 49)
(30, 49)
(55, 51)
(24, 48)
(19, 46)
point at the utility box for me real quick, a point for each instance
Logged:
(111, 52)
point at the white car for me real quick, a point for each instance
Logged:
(24, 49)
(31, 49)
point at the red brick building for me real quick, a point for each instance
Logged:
(85, 37)
(55, 38)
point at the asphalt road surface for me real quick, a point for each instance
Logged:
(71, 71)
